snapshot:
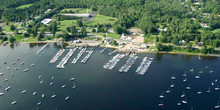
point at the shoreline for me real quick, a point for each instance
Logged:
(118, 49)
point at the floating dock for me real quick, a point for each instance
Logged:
(42, 48)
(145, 64)
(87, 56)
(128, 64)
(57, 56)
(78, 56)
(112, 52)
(66, 58)
(103, 50)
(111, 64)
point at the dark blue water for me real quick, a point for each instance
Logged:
(100, 89)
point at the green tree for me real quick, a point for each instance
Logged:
(12, 27)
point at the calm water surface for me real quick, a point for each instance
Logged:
(100, 89)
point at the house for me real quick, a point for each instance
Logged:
(194, 19)
(159, 29)
(204, 25)
(143, 46)
(48, 10)
(200, 43)
(77, 41)
(10, 36)
(46, 21)
(108, 41)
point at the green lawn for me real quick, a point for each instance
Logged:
(24, 6)
(31, 39)
(64, 24)
(150, 39)
(77, 10)
(216, 31)
(19, 38)
(114, 36)
(101, 19)
(6, 29)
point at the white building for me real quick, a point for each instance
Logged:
(78, 15)
(46, 21)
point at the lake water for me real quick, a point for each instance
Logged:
(101, 89)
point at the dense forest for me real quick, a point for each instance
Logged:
(148, 15)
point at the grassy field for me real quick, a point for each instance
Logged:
(77, 10)
(150, 39)
(6, 29)
(66, 23)
(31, 39)
(114, 36)
(101, 19)
(24, 6)
(19, 38)
(216, 31)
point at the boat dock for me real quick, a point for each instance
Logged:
(57, 56)
(87, 56)
(42, 48)
(145, 64)
(66, 58)
(128, 64)
(111, 64)
(79, 55)
(103, 50)
(112, 52)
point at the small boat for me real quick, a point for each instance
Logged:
(12, 74)
(199, 57)
(63, 86)
(42, 96)
(22, 63)
(17, 68)
(5, 62)
(184, 75)
(52, 78)
(168, 91)
(211, 71)
(39, 103)
(208, 91)
(212, 84)
(188, 87)
(179, 103)
(32, 65)
(173, 77)
(39, 76)
(216, 80)
(197, 76)
(71, 79)
(172, 85)
(1, 94)
(53, 96)
(74, 86)
(192, 70)
(67, 98)
(8, 88)
(23, 92)
(217, 106)
(51, 83)
(13, 102)
(185, 79)
(8, 68)
(183, 95)
(5, 80)
(201, 71)
(13, 63)
(184, 101)
(34, 93)
(206, 67)
(160, 104)
(161, 96)
(217, 88)
(41, 82)
(199, 92)
(25, 70)
(1, 74)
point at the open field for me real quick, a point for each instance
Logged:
(6, 29)
(114, 36)
(216, 31)
(101, 19)
(64, 24)
(76, 10)
(24, 6)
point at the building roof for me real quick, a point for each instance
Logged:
(46, 21)
(78, 15)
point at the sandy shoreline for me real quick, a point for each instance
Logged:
(119, 49)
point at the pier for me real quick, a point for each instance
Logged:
(128, 64)
(112, 52)
(87, 56)
(103, 50)
(42, 48)
(57, 56)
(78, 56)
(66, 58)
(111, 64)
(145, 64)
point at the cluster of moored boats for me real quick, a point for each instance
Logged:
(79, 55)
(87, 56)
(111, 64)
(57, 56)
(145, 64)
(66, 58)
(128, 64)
(183, 96)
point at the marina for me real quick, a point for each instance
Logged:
(66, 58)
(84, 60)
(128, 64)
(42, 48)
(57, 56)
(111, 64)
(79, 55)
(112, 52)
(145, 64)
